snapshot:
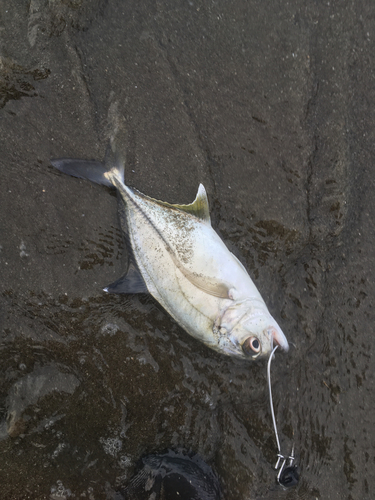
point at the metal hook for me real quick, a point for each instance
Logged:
(288, 476)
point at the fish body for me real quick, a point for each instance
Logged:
(178, 258)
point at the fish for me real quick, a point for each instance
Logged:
(177, 257)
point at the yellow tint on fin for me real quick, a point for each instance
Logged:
(199, 208)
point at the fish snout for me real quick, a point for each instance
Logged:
(278, 338)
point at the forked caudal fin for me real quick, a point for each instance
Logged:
(93, 170)
(84, 169)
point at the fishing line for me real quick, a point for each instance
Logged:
(288, 476)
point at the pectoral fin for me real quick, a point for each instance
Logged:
(207, 284)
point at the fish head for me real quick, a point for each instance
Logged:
(251, 331)
(258, 338)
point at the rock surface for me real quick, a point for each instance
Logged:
(270, 106)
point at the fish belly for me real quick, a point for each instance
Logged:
(166, 242)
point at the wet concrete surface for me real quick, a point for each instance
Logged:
(271, 106)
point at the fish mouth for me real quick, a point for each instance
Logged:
(278, 338)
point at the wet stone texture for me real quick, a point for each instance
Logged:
(271, 106)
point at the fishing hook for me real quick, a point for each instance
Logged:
(288, 476)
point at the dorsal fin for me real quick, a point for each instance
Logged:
(199, 208)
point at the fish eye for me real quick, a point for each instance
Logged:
(251, 346)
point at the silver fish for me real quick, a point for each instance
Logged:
(176, 256)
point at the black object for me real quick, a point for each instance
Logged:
(171, 476)
(289, 477)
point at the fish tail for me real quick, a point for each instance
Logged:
(108, 173)
(114, 163)
(84, 169)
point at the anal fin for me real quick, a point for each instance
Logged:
(130, 282)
